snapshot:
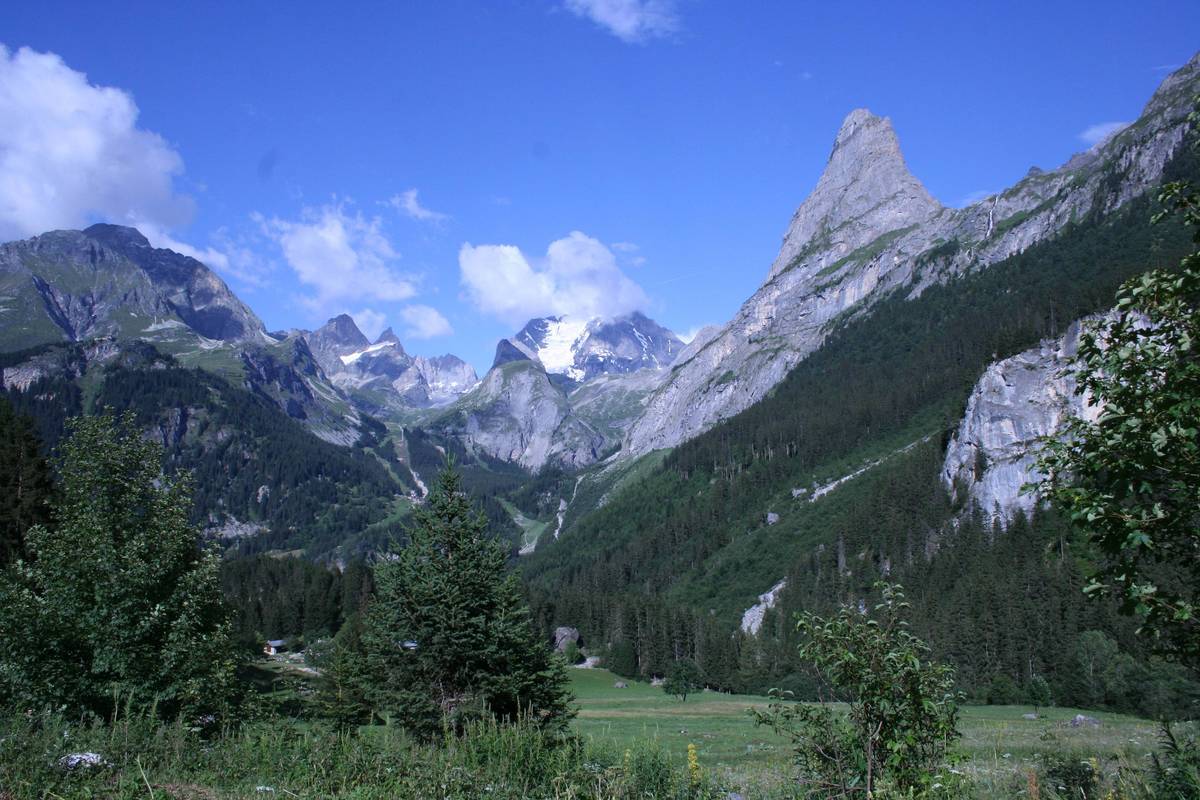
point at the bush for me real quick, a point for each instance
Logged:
(1071, 775)
(903, 710)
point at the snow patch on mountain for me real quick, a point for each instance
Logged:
(350, 358)
(558, 344)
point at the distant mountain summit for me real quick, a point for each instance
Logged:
(381, 376)
(866, 190)
(583, 349)
(563, 390)
(107, 280)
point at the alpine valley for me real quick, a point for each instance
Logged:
(870, 411)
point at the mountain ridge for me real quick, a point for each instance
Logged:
(813, 283)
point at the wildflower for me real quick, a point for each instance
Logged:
(693, 764)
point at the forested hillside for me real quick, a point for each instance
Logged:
(694, 533)
(261, 477)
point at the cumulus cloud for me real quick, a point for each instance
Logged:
(71, 153)
(629, 20)
(369, 321)
(406, 203)
(340, 256)
(1101, 131)
(424, 322)
(578, 276)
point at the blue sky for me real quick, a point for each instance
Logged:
(452, 168)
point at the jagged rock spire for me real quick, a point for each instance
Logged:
(866, 190)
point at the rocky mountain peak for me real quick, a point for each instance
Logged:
(341, 330)
(866, 190)
(108, 281)
(1178, 87)
(116, 236)
(581, 349)
(388, 335)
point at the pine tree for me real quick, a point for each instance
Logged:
(448, 636)
(342, 698)
(119, 603)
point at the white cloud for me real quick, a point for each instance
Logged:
(369, 321)
(340, 256)
(424, 322)
(407, 204)
(1101, 131)
(578, 276)
(629, 20)
(72, 153)
(629, 253)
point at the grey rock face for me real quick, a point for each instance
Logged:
(516, 413)
(866, 190)
(108, 281)
(381, 377)
(563, 391)
(752, 619)
(338, 337)
(624, 345)
(563, 635)
(446, 377)
(845, 249)
(1016, 401)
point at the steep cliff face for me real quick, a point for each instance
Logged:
(516, 413)
(338, 337)
(870, 229)
(865, 191)
(108, 281)
(446, 377)
(1016, 402)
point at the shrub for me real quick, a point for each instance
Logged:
(903, 709)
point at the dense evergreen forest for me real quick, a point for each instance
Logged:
(248, 457)
(672, 559)
(280, 598)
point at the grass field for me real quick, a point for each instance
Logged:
(999, 746)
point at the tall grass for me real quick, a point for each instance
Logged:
(144, 758)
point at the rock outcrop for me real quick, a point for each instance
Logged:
(869, 230)
(752, 619)
(1016, 402)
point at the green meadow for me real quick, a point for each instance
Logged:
(998, 748)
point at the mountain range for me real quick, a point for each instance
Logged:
(872, 406)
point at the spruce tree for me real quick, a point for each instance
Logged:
(448, 636)
(119, 603)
